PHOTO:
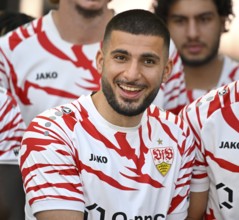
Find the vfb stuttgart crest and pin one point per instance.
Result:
(163, 158)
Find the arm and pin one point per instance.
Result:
(60, 215)
(197, 205)
(200, 181)
(179, 204)
(50, 173)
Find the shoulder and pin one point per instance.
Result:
(23, 33)
(230, 65)
(61, 118)
(168, 118)
(212, 103)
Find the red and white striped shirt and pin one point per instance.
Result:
(214, 120)
(229, 73)
(73, 159)
(11, 129)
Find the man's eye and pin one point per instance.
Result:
(179, 21)
(205, 19)
(120, 58)
(149, 61)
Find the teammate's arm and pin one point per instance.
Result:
(60, 215)
(197, 205)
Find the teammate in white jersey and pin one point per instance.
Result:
(113, 155)
(196, 27)
(51, 61)
(12, 197)
(214, 119)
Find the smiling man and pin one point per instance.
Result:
(112, 154)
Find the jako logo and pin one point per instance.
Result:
(47, 75)
(98, 159)
(229, 145)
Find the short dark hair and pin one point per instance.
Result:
(138, 21)
(224, 8)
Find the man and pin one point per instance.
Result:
(51, 61)
(111, 154)
(196, 27)
(12, 197)
(214, 120)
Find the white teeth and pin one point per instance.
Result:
(131, 89)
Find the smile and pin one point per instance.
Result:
(129, 88)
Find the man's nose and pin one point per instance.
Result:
(133, 71)
(192, 29)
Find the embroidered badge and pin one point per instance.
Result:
(163, 158)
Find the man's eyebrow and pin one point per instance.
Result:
(144, 55)
(119, 51)
(150, 55)
(207, 13)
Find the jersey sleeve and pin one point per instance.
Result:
(11, 129)
(179, 204)
(49, 165)
(192, 115)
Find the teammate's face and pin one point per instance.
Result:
(195, 27)
(132, 68)
(91, 8)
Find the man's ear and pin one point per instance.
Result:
(167, 70)
(99, 61)
(224, 24)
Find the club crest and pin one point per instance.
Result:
(163, 158)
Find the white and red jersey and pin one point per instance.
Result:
(71, 158)
(11, 129)
(214, 119)
(229, 73)
(173, 96)
(43, 71)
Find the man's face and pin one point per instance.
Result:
(90, 8)
(196, 28)
(132, 68)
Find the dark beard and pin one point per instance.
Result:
(88, 13)
(126, 110)
(197, 63)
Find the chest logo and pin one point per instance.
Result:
(163, 158)
(47, 75)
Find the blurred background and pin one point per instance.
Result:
(36, 8)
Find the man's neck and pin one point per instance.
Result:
(77, 29)
(107, 112)
(204, 77)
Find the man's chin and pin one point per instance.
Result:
(89, 12)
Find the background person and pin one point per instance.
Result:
(114, 142)
(12, 197)
(214, 121)
(196, 26)
(61, 66)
